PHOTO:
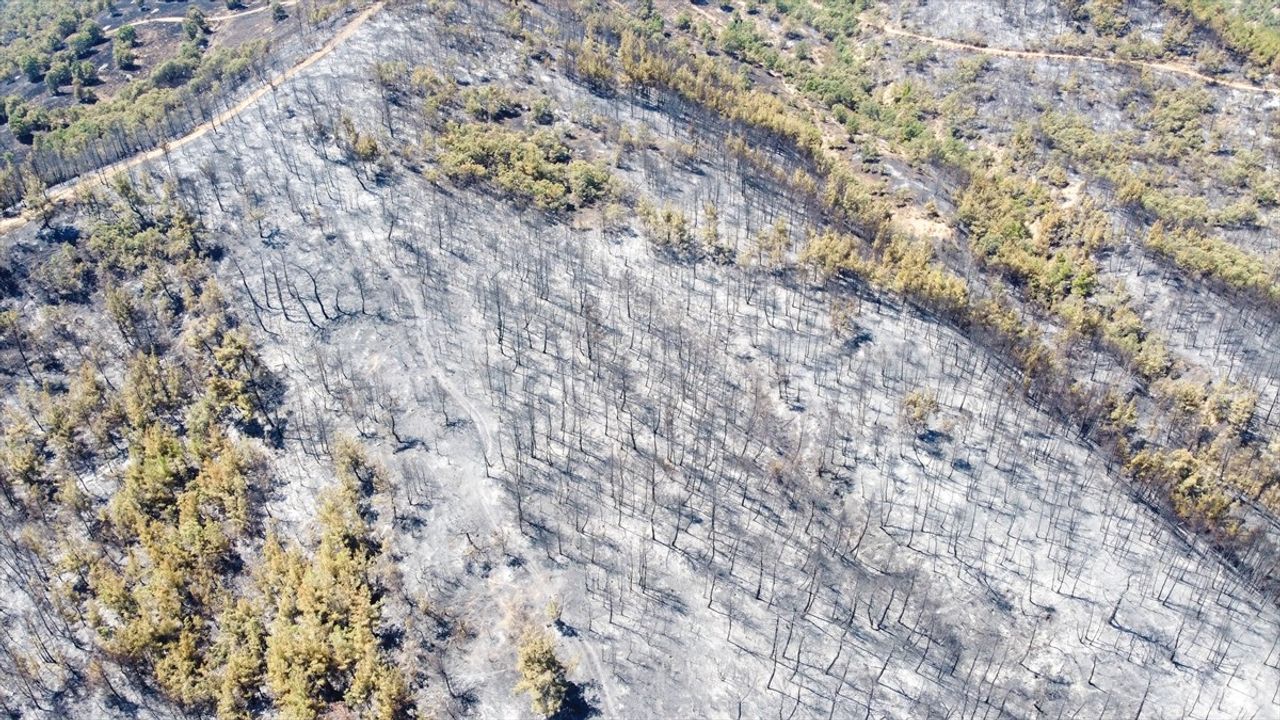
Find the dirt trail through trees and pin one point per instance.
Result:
(1044, 55)
(212, 19)
(69, 189)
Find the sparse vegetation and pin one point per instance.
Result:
(918, 408)
(541, 673)
(534, 166)
(1249, 27)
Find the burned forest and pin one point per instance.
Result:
(640, 359)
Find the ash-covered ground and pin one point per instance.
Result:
(706, 469)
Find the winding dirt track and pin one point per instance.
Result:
(1044, 55)
(212, 19)
(69, 189)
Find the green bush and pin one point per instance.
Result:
(490, 103)
(1177, 121)
(589, 61)
(172, 73)
(542, 675)
(193, 24)
(1211, 257)
(127, 35)
(535, 166)
(25, 120)
(84, 72)
(123, 56)
(324, 640)
(1256, 39)
(33, 67)
(59, 74)
(80, 44)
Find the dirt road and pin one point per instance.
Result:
(211, 19)
(67, 190)
(1168, 67)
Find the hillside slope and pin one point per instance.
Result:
(759, 388)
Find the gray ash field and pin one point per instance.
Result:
(621, 358)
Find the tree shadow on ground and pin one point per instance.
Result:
(575, 706)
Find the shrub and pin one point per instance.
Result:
(1107, 17)
(741, 39)
(33, 67)
(1177, 120)
(1215, 258)
(64, 25)
(589, 62)
(542, 675)
(193, 24)
(80, 44)
(587, 181)
(1241, 213)
(365, 148)
(127, 35)
(1258, 41)
(534, 166)
(666, 227)
(542, 112)
(84, 72)
(172, 73)
(491, 103)
(25, 121)
(918, 408)
(59, 74)
(123, 56)
(324, 640)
